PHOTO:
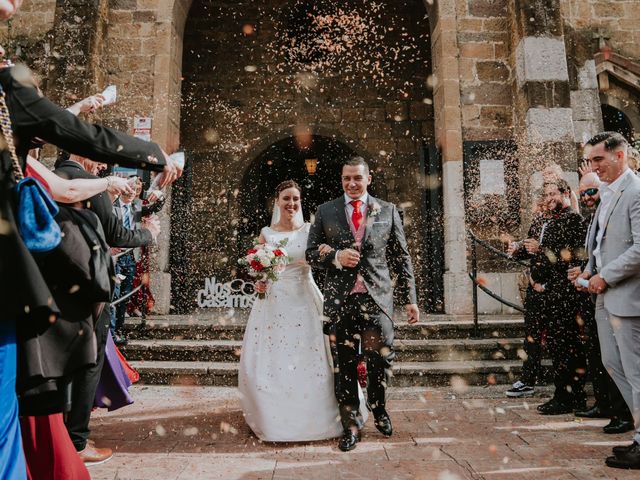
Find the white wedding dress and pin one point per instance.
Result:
(286, 378)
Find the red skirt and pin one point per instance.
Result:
(49, 452)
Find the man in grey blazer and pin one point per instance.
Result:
(613, 273)
(369, 246)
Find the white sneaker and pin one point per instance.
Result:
(520, 389)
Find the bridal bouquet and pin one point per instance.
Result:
(265, 262)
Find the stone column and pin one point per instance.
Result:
(448, 132)
(167, 72)
(543, 113)
(583, 80)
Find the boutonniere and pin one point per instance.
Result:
(376, 208)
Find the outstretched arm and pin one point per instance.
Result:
(78, 189)
(35, 116)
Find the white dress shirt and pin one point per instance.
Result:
(607, 192)
(349, 208)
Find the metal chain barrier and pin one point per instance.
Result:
(475, 241)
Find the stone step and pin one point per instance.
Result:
(405, 374)
(434, 327)
(407, 350)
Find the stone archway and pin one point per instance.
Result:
(630, 115)
(615, 120)
(284, 160)
(405, 186)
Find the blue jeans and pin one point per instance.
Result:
(12, 464)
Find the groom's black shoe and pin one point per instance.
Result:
(348, 440)
(618, 425)
(383, 424)
(629, 460)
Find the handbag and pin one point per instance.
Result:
(36, 209)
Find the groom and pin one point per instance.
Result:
(369, 243)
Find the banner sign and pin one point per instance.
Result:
(142, 128)
(234, 294)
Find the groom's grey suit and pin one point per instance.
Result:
(618, 308)
(362, 318)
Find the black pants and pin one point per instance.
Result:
(605, 391)
(358, 327)
(559, 313)
(83, 388)
(534, 327)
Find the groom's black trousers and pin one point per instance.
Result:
(358, 328)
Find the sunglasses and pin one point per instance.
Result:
(589, 192)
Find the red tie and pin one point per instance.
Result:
(356, 216)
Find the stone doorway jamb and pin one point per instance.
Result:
(448, 130)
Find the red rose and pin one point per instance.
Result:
(256, 265)
(278, 253)
(251, 251)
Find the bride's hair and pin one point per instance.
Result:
(287, 184)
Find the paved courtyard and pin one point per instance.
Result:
(190, 433)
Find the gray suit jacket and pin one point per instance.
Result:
(620, 250)
(383, 252)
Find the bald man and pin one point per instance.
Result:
(589, 189)
(609, 403)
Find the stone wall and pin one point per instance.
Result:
(34, 19)
(485, 71)
(616, 19)
(29, 35)
(129, 60)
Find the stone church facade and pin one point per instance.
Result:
(456, 103)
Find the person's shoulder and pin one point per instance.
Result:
(575, 215)
(634, 183)
(382, 203)
(331, 203)
(265, 230)
(70, 169)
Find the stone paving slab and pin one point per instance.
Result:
(193, 433)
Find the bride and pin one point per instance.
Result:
(286, 378)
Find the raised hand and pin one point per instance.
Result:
(325, 249)
(152, 224)
(119, 186)
(584, 168)
(532, 246)
(413, 313)
(573, 273)
(8, 8)
(87, 105)
(580, 288)
(171, 172)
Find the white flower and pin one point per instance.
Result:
(376, 208)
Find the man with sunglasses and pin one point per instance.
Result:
(609, 402)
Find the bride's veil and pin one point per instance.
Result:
(298, 219)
